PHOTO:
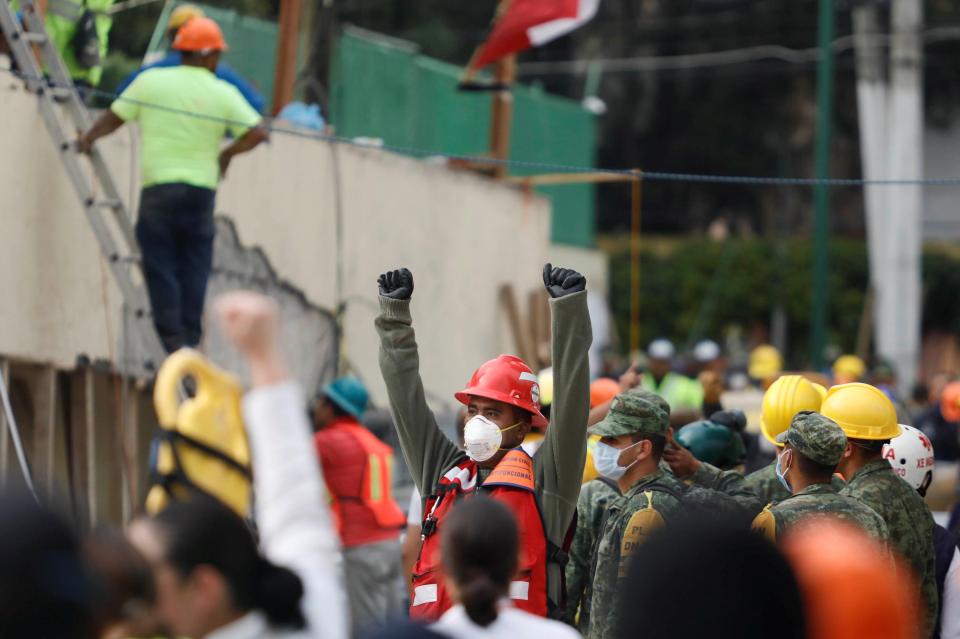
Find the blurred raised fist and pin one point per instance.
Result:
(397, 285)
(562, 281)
(249, 322)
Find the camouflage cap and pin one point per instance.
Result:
(650, 396)
(630, 413)
(816, 437)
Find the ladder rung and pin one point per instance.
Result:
(33, 36)
(105, 204)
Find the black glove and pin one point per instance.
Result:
(562, 281)
(397, 285)
(735, 420)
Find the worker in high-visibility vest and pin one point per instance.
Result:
(358, 469)
(80, 31)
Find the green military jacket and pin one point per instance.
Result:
(630, 519)
(594, 497)
(558, 462)
(765, 485)
(908, 519)
(818, 499)
(730, 483)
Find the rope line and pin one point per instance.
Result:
(656, 176)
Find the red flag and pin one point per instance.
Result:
(530, 23)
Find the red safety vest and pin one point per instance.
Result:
(511, 483)
(358, 469)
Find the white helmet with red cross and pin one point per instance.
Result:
(911, 455)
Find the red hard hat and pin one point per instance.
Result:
(199, 34)
(506, 379)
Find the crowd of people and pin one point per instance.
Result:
(572, 509)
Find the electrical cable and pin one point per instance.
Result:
(655, 176)
(759, 53)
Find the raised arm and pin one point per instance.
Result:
(559, 462)
(427, 450)
(295, 526)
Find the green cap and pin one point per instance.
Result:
(650, 396)
(630, 413)
(816, 437)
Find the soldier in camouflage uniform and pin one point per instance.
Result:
(591, 508)
(869, 420)
(813, 445)
(733, 499)
(595, 495)
(637, 427)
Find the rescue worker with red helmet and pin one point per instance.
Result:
(502, 406)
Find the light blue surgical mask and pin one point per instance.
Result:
(782, 474)
(606, 459)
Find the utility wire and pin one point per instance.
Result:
(653, 176)
(769, 52)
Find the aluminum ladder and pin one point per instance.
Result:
(64, 113)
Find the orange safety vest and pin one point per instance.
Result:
(371, 514)
(511, 482)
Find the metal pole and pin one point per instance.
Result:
(821, 193)
(636, 194)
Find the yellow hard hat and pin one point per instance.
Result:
(765, 362)
(862, 411)
(849, 366)
(785, 398)
(545, 382)
(180, 15)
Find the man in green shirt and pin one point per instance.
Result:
(184, 113)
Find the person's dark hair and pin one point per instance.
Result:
(335, 407)
(44, 587)
(811, 469)
(205, 532)
(658, 442)
(480, 548)
(122, 577)
(872, 446)
(704, 574)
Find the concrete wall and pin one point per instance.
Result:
(462, 236)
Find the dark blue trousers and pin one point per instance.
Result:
(175, 231)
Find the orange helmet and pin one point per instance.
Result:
(950, 402)
(848, 585)
(199, 34)
(506, 379)
(603, 390)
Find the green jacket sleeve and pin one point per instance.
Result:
(558, 464)
(730, 483)
(427, 451)
(559, 461)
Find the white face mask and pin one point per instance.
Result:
(482, 438)
(606, 459)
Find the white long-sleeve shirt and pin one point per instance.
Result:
(296, 529)
(511, 623)
(950, 604)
